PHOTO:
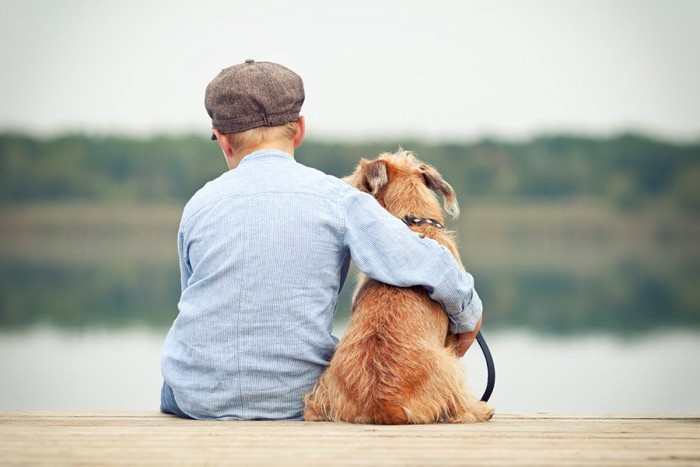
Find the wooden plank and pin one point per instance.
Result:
(110, 438)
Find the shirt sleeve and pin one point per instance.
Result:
(385, 249)
(185, 268)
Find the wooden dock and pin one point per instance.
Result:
(70, 438)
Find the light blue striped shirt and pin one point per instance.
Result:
(264, 251)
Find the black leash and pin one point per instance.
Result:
(489, 367)
(491, 381)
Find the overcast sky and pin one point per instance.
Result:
(438, 69)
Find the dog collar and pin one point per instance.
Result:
(412, 220)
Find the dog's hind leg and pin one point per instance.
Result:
(460, 405)
(465, 408)
(311, 411)
(328, 402)
(316, 404)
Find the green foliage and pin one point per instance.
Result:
(627, 171)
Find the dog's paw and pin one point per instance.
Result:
(474, 412)
(483, 412)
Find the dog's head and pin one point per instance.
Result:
(404, 185)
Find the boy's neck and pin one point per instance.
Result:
(279, 145)
(284, 146)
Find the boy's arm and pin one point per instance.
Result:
(385, 249)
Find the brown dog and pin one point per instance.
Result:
(396, 363)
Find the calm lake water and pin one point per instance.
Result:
(584, 312)
(46, 369)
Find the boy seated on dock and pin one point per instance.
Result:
(264, 250)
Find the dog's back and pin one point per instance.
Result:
(395, 363)
(379, 366)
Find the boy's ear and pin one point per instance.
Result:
(374, 176)
(223, 142)
(435, 182)
(301, 131)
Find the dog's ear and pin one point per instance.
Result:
(435, 182)
(374, 176)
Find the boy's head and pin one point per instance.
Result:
(253, 95)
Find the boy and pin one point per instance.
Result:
(264, 251)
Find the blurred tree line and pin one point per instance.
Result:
(627, 171)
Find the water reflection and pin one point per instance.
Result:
(622, 293)
(630, 296)
(88, 294)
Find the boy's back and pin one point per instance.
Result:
(263, 261)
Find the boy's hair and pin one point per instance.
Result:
(255, 136)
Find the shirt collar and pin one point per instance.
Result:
(265, 154)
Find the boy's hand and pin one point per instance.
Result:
(465, 340)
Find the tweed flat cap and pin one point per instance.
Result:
(253, 94)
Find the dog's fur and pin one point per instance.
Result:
(396, 363)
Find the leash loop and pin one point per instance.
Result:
(490, 367)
